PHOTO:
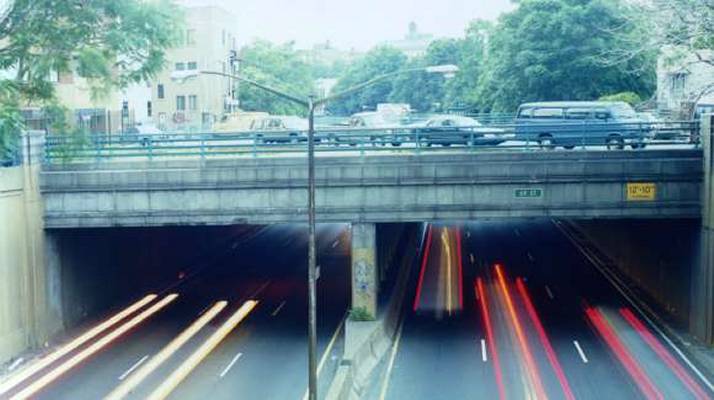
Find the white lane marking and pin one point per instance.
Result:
(133, 367)
(15, 364)
(517, 232)
(392, 357)
(335, 243)
(530, 256)
(260, 289)
(277, 310)
(484, 355)
(471, 258)
(327, 352)
(580, 351)
(550, 294)
(230, 365)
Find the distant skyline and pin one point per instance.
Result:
(352, 24)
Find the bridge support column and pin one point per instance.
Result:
(364, 270)
(702, 309)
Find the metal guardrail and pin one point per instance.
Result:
(360, 141)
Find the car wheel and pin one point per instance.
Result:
(569, 147)
(614, 142)
(546, 142)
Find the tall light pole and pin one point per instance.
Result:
(310, 103)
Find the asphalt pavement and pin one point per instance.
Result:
(264, 356)
(538, 321)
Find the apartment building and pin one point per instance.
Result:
(194, 104)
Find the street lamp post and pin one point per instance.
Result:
(311, 104)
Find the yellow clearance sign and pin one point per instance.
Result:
(641, 191)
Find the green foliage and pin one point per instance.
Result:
(422, 90)
(110, 43)
(360, 314)
(378, 61)
(279, 66)
(551, 50)
(628, 97)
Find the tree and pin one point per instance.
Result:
(110, 43)
(628, 97)
(549, 50)
(461, 91)
(422, 90)
(378, 61)
(279, 66)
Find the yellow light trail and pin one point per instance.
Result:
(137, 377)
(176, 377)
(93, 348)
(447, 249)
(32, 369)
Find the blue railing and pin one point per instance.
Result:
(360, 141)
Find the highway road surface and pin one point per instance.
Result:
(536, 321)
(237, 329)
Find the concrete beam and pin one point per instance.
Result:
(393, 188)
(365, 274)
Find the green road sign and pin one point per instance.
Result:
(530, 193)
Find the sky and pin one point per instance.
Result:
(347, 24)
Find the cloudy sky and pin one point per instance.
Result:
(358, 24)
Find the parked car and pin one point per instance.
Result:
(379, 128)
(237, 122)
(446, 130)
(280, 129)
(573, 123)
(144, 134)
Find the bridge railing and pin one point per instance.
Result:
(360, 141)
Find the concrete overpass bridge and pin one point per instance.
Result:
(453, 186)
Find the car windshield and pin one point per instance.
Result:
(296, 123)
(623, 110)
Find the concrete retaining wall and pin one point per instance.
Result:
(29, 313)
(655, 255)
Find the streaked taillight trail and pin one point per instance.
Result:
(668, 359)
(427, 246)
(490, 338)
(531, 366)
(48, 378)
(623, 355)
(550, 353)
(44, 362)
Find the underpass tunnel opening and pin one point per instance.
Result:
(542, 296)
(95, 271)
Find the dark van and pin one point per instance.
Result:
(581, 123)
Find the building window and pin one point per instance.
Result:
(160, 93)
(148, 108)
(678, 82)
(180, 66)
(190, 37)
(180, 103)
(192, 102)
(192, 65)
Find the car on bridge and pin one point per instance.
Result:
(371, 127)
(582, 123)
(279, 129)
(446, 130)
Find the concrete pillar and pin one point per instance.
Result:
(702, 317)
(364, 270)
